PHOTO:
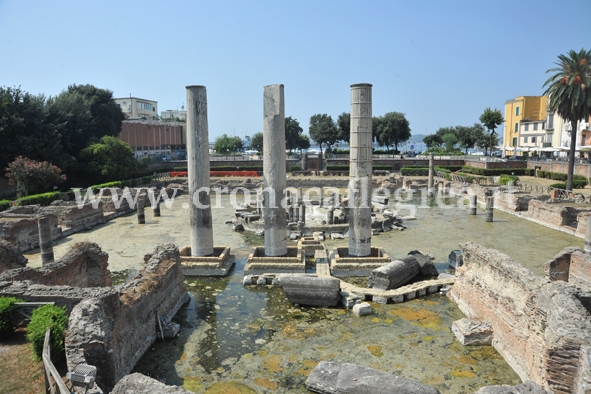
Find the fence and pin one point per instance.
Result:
(53, 381)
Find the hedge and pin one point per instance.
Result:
(558, 176)
(42, 199)
(295, 168)
(226, 168)
(5, 204)
(345, 167)
(577, 184)
(96, 188)
(7, 324)
(497, 171)
(414, 171)
(44, 317)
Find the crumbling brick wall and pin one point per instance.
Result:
(74, 218)
(21, 229)
(10, 257)
(114, 331)
(571, 265)
(84, 265)
(540, 327)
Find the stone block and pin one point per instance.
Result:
(410, 296)
(363, 309)
(350, 300)
(455, 258)
(344, 378)
(247, 280)
(261, 281)
(394, 274)
(170, 329)
(472, 332)
(310, 290)
(397, 299)
(379, 299)
(528, 387)
(432, 289)
(140, 384)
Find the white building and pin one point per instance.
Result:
(134, 107)
(173, 115)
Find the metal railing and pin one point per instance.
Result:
(53, 381)
(538, 189)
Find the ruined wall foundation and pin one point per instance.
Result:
(540, 327)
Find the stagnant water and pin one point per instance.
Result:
(251, 339)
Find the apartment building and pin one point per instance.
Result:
(134, 107)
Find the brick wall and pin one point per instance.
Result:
(540, 327)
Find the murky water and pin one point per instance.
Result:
(252, 339)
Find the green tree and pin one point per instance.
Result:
(391, 129)
(293, 131)
(469, 135)
(226, 144)
(484, 142)
(450, 140)
(569, 91)
(24, 130)
(344, 126)
(303, 142)
(433, 141)
(33, 177)
(491, 119)
(323, 130)
(109, 159)
(256, 142)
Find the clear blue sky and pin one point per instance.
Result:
(440, 62)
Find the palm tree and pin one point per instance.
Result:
(569, 91)
(491, 119)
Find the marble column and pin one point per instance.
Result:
(274, 170)
(198, 167)
(45, 240)
(360, 170)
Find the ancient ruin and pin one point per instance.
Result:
(202, 257)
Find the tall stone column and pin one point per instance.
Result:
(490, 203)
(360, 171)
(431, 174)
(274, 170)
(198, 168)
(45, 241)
(473, 204)
(588, 236)
(141, 213)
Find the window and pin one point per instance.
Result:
(550, 121)
(526, 127)
(516, 128)
(535, 126)
(533, 140)
(516, 111)
(525, 140)
(514, 141)
(145, 106)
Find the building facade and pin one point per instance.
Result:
(134, 107)
(173, 115)
(529, 109)
(161, 141)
